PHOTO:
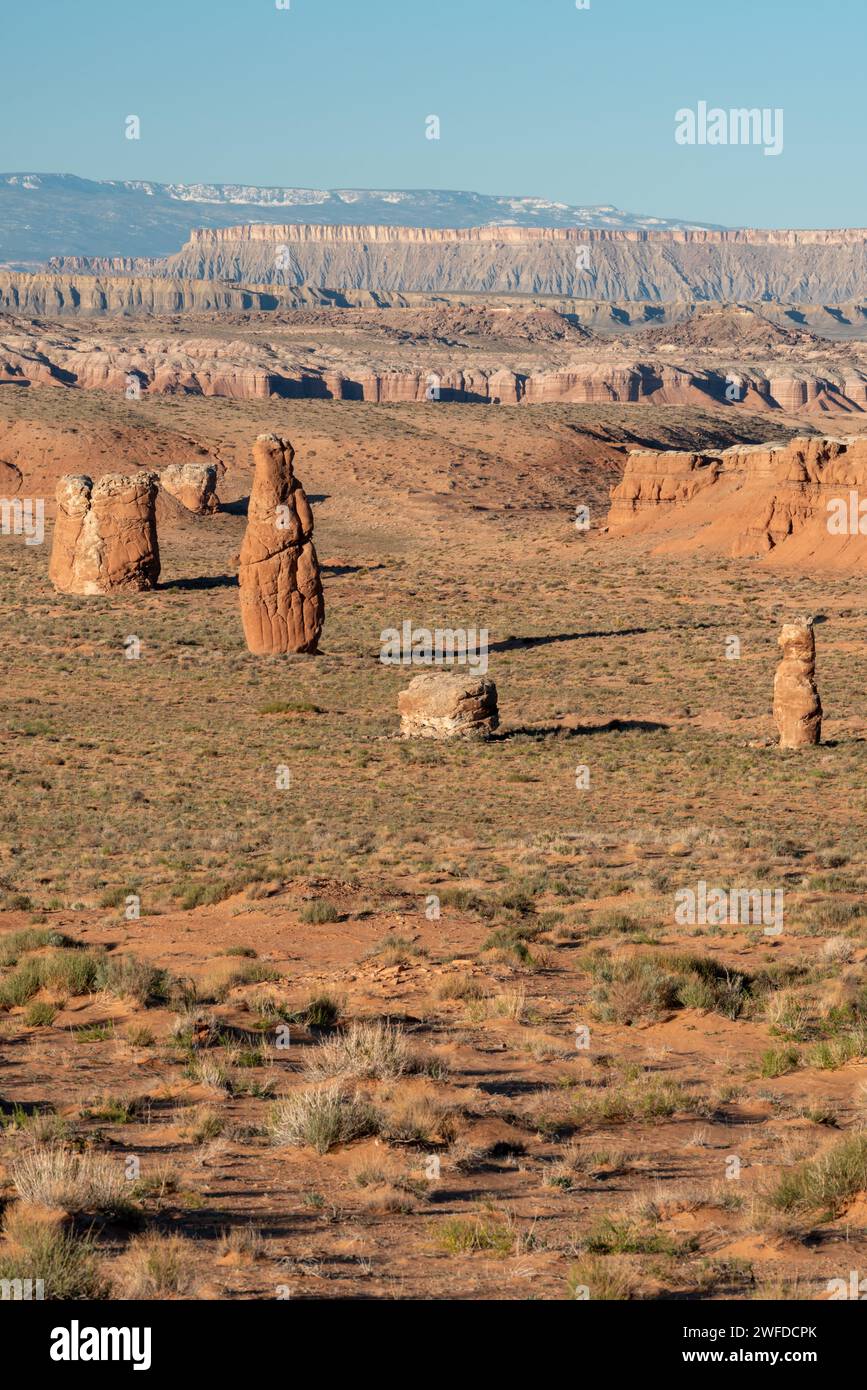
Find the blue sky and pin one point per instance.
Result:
(534, 97)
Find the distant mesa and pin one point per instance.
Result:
(620, 264)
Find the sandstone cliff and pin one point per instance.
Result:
(785, 505)
(791, 266)
(243, 369)
(488, 351)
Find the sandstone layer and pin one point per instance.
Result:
(538, 368)
(282, 606)
(797, 707)
(795, 266)
(105, 536)
(440, 704)
(798, 504)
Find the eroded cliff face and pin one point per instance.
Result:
(796, 504)
(791, 266)
(249, 369)
(85, 293)
(784, 266)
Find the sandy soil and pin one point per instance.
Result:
(707, 1143)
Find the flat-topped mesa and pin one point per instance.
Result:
(491, 232)
(639, 264)
(105, 535)
(282, 607)
(797, 707)
(194, 485)
(779, 503)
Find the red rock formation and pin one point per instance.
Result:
(797, 707)
(246, 370)
(656, 480)
(105, 537)
(282, 607)
(770, 502)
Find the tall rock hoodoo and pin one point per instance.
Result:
(797, 707)
(282, 606)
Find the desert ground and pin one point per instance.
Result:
(287, 1076)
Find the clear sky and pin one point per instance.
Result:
(535, 97)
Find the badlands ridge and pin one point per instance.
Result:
(483, 353)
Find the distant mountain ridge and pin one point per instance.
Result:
(427, 241)
(46, 215)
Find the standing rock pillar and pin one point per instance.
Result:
(282, 607)
(797, 707)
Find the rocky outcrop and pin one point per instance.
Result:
(194, 485)
(797, 707)
(440, 704)
(105, 536)
(658, 480)
(796, 504)
(282, 606)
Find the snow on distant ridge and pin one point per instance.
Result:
(471, 208)
(48, 215)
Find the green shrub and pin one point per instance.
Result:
(130, 978)
(461, 1235)
(21, 985)
(18, 943)
(778, 1061)
(633, 989)
(320, 1011)
(40, 1015)
(825, 1183)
